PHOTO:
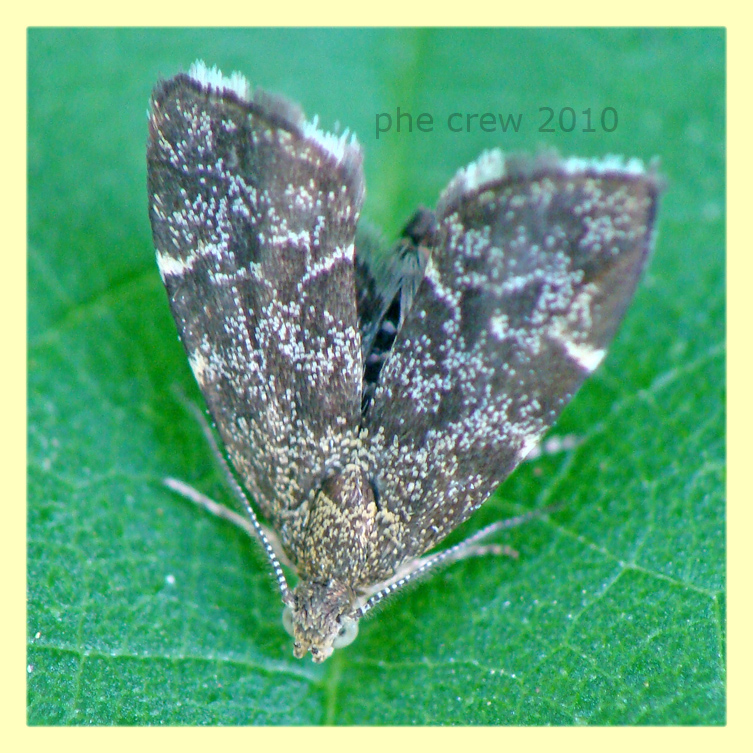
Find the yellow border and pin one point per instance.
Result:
(17, 736)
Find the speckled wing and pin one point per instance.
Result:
(533, 267)
(253, 213)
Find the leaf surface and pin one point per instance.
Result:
(144, 610)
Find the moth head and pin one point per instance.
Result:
(321, 617)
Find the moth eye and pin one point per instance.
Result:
(347, 634)
(287, 620)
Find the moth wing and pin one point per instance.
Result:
(534, 265)
(254, 213)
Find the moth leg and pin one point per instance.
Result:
(554, 446)
(497, 550)
(195, 496)
(471, 547)
(221, 511)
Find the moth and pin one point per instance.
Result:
(370, 406)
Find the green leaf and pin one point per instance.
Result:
(144, 610)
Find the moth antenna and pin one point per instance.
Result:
(467, 548)
(236, 488)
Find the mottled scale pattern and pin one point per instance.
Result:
(254, 215)
(534, 265)
(370, 405)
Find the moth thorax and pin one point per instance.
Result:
(340, 530)
(321, 618)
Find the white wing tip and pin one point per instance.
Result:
(489, 166)
(212, 78)
(332, 143)
(608, 164)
